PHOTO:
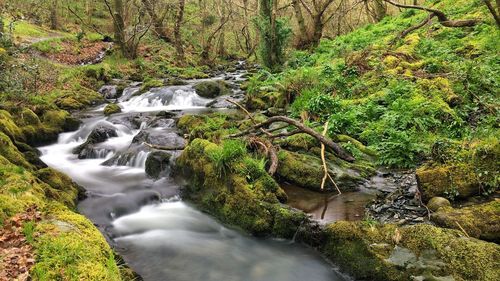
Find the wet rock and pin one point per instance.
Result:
(480, 221)
(221, 102)
(112, 108)
(211, 89)
(97, 135)
(160, 138)
(157, 163)
(110, 92)
(437, 202)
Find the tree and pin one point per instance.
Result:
(157, 19)
(380, 10)
(274, 34)
(177, 32)
(54, 18)
(127, 36)
(494, 13)
(318, 18)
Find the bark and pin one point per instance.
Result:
(380, 10)
(54, 18)
(443, 19)
(177, 32)
(300, 22)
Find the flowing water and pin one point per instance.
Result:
(160, 236)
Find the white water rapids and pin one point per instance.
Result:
(159, 236)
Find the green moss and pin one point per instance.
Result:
(9, 127)
(11, 153)
(112, 108)
(151, 83)
(480, 221)
(60, 187)
(71, 248)
(369, 251)
(246, 196)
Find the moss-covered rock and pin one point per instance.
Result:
(262, 100)
(386, 252)
(212, 89)
(453, 181)
(61, 188)
(69, 247)
(306, 170)
(112, 108)
(480, 221)
(9, 127)
(438, 202)
(243, 195)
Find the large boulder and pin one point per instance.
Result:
(212, 89)
(480, 221)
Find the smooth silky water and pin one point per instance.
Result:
(160, 236)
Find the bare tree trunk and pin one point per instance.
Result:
(380, 10)
(177, 32)
(158, 26)
(494, 13)
(301, 23)
(54, 18)
(317, 30)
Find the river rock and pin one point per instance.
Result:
(109, 91)
(112, 108)
(437, 202)
(157, 163)
(97, 135)
(162, 138)
(211, 89)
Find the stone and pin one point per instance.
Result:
(157, 163)
(211, 89)
(112, 108)
(437, 202)
(109, 91)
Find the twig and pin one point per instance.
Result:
(461, 228)
(325, 168)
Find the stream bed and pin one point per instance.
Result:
(160, 236)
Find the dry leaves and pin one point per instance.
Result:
(16, 254)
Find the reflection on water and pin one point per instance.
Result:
(328, 207)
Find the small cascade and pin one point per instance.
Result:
(128, 93)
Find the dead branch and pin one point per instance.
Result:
(160, 147)
(337, 149)
(270, 152)
(249, 116)
(413, 28)
(443, 19)
(325, 168)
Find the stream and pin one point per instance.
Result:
(160, 236)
